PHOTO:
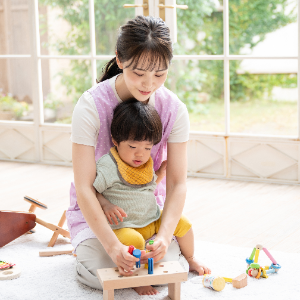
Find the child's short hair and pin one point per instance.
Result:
(134, 120)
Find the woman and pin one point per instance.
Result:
(139, 70)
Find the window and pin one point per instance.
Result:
(235, 66)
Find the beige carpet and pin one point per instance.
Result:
(54, 278)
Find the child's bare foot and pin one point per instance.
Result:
(197, 266)
(146, 290)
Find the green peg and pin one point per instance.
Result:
(252, 254)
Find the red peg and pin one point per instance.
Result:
(130, 249)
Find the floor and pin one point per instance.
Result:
(237, 213)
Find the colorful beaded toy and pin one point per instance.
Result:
(5, 265)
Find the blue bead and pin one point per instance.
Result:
(249, 261)
(276, 267)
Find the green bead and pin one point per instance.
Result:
(151, 242)
(255, 266)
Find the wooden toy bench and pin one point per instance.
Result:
(170, 273)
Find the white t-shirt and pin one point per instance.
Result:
(86, 122)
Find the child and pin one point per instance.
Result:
(126, 179)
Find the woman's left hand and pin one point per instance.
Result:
(158, 250)
(161, 172)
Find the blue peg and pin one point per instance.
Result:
(137, 253)
(150, 265)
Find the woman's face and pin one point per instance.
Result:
(140, 82)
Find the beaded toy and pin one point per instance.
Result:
(5, 265)
(253, 267)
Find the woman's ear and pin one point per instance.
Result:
(120, 65)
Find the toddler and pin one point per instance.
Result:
(126, 179)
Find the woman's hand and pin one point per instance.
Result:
(161, 172)
(123, 259)
(158, 250)
(112, 211)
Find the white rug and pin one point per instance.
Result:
(54, 278)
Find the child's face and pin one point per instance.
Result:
(134, 153)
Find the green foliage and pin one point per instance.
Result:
(109, 16)
(9, 104)
(249, 22)
(52, 101)
(200, 31)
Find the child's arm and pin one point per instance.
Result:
(110, 210)
(161, 172)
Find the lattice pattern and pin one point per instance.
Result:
(17, 144)
(206, 156)
(264, 160)
(57, 147)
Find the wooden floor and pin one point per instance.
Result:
(227, 212)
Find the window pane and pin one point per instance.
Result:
(108, 19)
(64, 28)
(263, 27)
(15, 35)
(264, 96)
(16, 90)
(199, 28)
(199, 84)
(64, 81)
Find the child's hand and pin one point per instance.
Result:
(161, 172)
(112, 212)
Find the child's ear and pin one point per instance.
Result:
(114, 142)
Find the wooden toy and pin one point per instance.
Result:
(249, 260)
(13, 224)
(11, 273)
(55, 252)
(240, 281)
(253, 267)
(147, 251)
(137, 253)
(5, 265)
(130, 249)
(170, 273)
(150, 265)
(270, 256)
(55, 234)
(215, 283)
(34, 204)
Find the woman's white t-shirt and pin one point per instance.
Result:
(86, 122)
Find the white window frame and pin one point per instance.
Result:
(40, 126)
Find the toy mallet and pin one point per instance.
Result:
(238, 282)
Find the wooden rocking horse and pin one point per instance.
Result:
(13, 224)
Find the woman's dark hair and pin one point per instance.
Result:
(136, 121)
(138, 38)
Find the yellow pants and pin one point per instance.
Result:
(137, 236)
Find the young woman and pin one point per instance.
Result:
(139, 70)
